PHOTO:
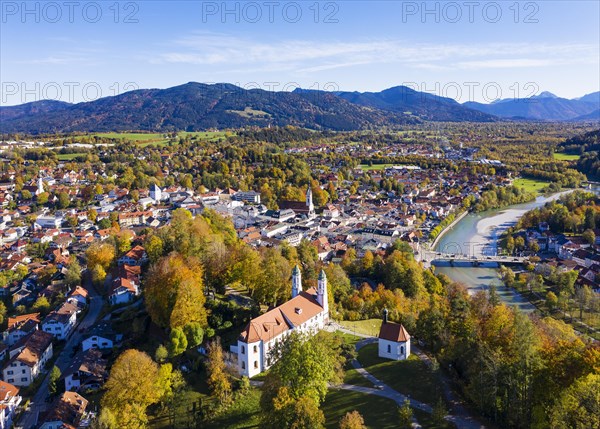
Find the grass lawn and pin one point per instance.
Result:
(206, 135)
(137, 137)
(364, 327)
(243, 414)
(378, 412)
(146, 139)
(426, 421)
(375, 166)
(410, 377)
(530, 185)
(250, 113)
(353, 377)
(68, 156)
(566, 157)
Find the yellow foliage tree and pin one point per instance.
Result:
(131, 388)
(174, 292)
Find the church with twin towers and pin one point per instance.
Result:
(307, 311)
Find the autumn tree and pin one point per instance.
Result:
(194, 333)
(218, 379)
(122, 240)
(53, 380)
(128, 396)
(177, 342)
(41, 304)
(63, 200)
(577, 407)
(352, 420)
(247, 269)
(161, 354)
(274, 283)
(303, 367)
(154, 248)
(73, 274)
(405, 415)
(100, 254)
(2, 312)
(291, 413)
(98, 274)
(174, 292)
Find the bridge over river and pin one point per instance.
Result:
(429, 257)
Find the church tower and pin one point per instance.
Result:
(309, 203)
(40, 186)
(322, 297)
(296, 282)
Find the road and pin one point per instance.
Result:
(38, 405)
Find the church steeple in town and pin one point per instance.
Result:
(322, 297)
(296, 282)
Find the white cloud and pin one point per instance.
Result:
(304, 56)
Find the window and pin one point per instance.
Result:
(11, 380)
(401, 350)
(9, 372)
(23, 371)
(24, 379)
(243, 350)
(389, 349)
(255, 349)
(243, 365)
(255, 364)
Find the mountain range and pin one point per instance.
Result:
(543, 107)
(196, 106)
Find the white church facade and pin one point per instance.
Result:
(307, 312)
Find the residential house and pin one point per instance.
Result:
(86, 371)
(136, 256)
(9, 401)
(19, 327)
(61, 322)
(27, 358)
(123, 290)
(66, 413)
(78, 297)
(101, 337)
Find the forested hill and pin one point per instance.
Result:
(196, 106)
(588, 146)
(582, 143)
(427, 106)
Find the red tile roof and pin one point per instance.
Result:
(292, 313)
(393, 332)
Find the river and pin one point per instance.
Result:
(477, 234)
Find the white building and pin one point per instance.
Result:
(19, 327)
(249, 197)
(307, 311)
(86, 371)
(9, 401)
(155, 193)
(61, 322)
(101, 337)
(49, 221)
(28, 358)
(394, 341)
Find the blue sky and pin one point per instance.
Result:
(474, 50)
